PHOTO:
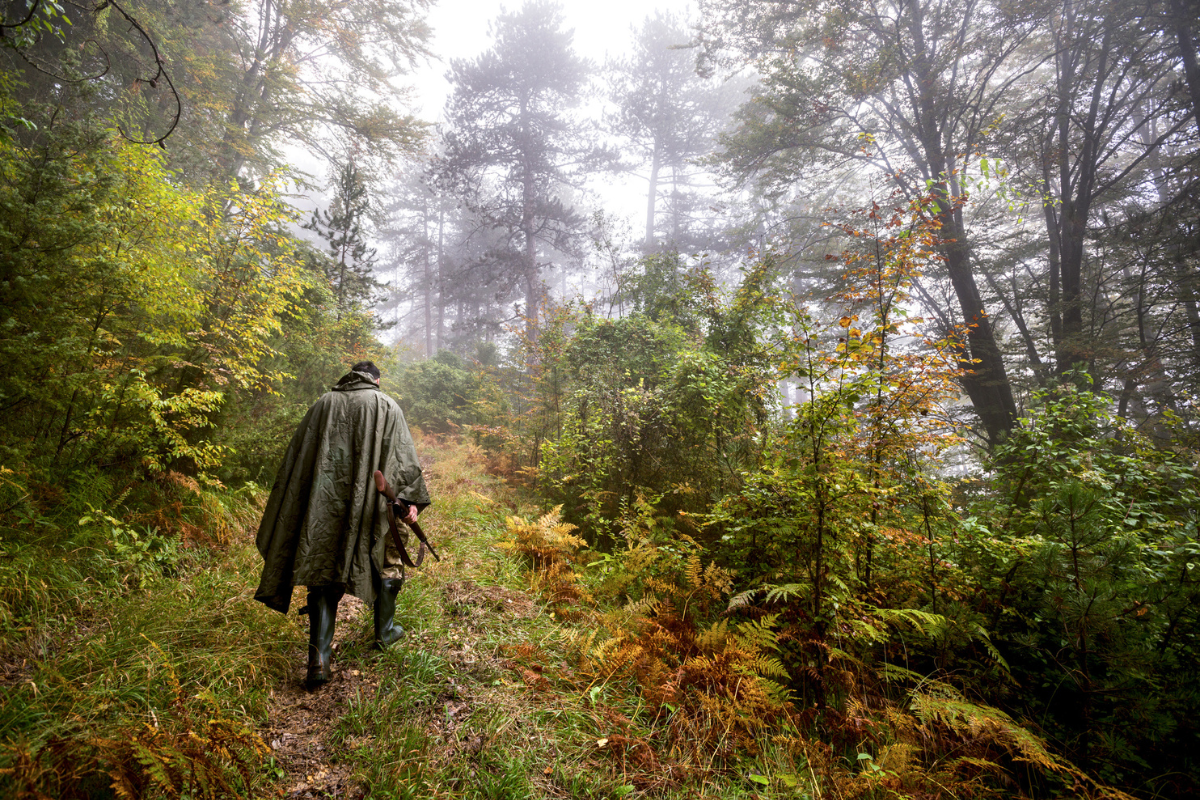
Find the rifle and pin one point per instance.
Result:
(381, 485)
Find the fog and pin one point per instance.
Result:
(460, 30)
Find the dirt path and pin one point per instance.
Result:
(300, 721)
(461, 604)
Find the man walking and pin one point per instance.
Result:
(325, 526)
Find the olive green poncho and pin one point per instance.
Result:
(325, 523)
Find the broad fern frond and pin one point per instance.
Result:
(786, 592)
(741, 600)
(759, 635)
(715, 637)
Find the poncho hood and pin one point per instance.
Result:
(354, 381)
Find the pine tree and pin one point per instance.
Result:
(514, 149)
(670, 117)
(350, 268)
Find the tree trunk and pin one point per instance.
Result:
(1183, 20)
(427, 279)
(531, 278)
(1076, 204)
(652, 198)
(441, 280)
(984, 378)
(253, 94)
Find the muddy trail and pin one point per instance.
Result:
(300, 721)
(302, 726)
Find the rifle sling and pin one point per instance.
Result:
(394, 531)
(393, 502)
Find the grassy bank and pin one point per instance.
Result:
(134, 661)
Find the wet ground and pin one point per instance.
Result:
(301, 720)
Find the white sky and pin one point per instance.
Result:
(460, 30)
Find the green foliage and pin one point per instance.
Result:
(671, 400)
(150, 328)
(40, 18)
(659, 289)
(132, 308)
(1087, 552)
(237, 100)
(313, 347)
(145, 553)
(143, 666)
(831, 522)
(443, 393)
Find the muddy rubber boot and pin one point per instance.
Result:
(386, 629)
(322, 613)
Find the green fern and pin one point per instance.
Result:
(786, 592)
(758, 635)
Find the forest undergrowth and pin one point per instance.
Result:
(138, 665)
(890, 490)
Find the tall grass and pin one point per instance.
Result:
(137, 663)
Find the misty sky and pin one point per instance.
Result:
(460, 30)
(602, 28)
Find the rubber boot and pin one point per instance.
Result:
(322, 613)
(386, 629)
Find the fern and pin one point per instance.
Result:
(693, 572)
(157, 764)
(196, 752)
(715, 637)
(785, 592)
(892, 673)
(937, 703)
(552, 547)
(759, 634)
(933, 626)
(741, 600)
(766, 666)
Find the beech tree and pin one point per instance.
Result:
(321, 73)
(241, 77)
(906, 88)
(1109, 66)
(1100, 143)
